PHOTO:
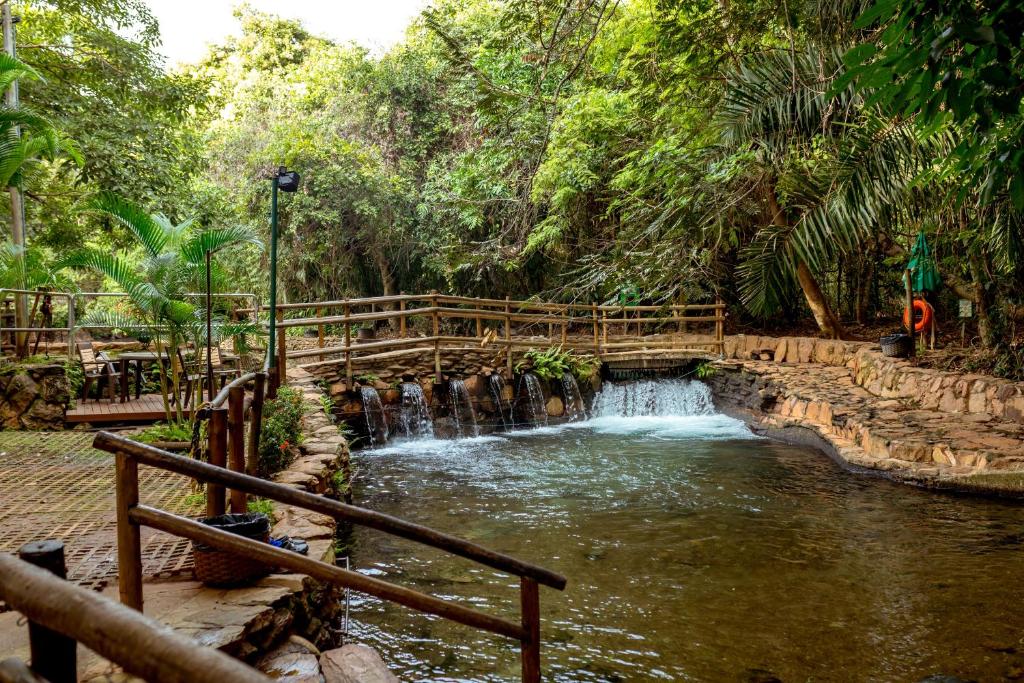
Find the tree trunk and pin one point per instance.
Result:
(816, 301)
(827, 321)
(982, 303)
(866, 275)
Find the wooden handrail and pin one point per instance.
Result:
(225, 391)
(148, 455)
(131, 516)
(138, 644)
(286, 559)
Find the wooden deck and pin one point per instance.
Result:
(146, 408)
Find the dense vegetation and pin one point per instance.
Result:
(784, 155)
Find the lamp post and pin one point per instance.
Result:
(285, 181)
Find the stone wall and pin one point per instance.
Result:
(33, 396)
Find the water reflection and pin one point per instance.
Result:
(694, 552)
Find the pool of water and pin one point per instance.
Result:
(695, 552)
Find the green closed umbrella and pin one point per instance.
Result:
(923, 273)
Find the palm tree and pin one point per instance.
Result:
(171, 262)
(781, 108)
(26, 138)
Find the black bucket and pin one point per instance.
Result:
(897, 345)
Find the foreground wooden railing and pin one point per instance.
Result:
(131, 516)
(61, 615)
(579, 326)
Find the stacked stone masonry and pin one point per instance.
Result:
(921, 425)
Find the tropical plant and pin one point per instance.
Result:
(170, 262)
(281, 431)
(553, 362)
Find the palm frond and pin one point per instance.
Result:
(147, 229)
(214, 239)
(109, 265)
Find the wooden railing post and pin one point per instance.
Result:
(604, 328)
(437, 332)
(720, 325)
(282, 351)
(53, 655)
(129, 544)
(348, 346)
(218, 456)
(597, 342)
(529, 596)
(508, 335)
(236, 444)
(320, 332)
(255, 424)
(401, 320)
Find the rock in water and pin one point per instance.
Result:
(355, 664)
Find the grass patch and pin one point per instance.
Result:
(166, 432)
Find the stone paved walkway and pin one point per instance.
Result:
(55, 485)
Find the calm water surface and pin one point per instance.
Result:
(694, 553)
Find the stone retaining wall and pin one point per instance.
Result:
(922, 425)
(33, 396)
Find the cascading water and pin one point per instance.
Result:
(673, 397)
(537, 410)
(574, 409)
(463, 416)
(414, 415)
(496, 387)
(373, 409)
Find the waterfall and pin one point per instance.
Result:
(414, 415)
(463, 416)
(376, 423)
(538, 411)
(655, 398)
(574, 409)
(496, 387)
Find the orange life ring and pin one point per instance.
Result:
(922, 308)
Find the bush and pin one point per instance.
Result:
(281, 431)
(554, 362)
(166, 432)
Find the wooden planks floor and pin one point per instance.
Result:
(146, 408)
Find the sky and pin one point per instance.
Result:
(188, 26)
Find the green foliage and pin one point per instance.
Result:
(704, 370)
(176, 431)
(552, 363)
(281, 431)
(263, 506)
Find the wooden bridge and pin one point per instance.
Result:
(620, 336)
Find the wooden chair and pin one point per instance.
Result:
(196, 373)
(96, 368)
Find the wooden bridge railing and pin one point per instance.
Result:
(61, 614)
(131, 516)
(580, 326)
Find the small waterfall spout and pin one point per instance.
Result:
(463, 416)
(536, 410)
(662, 398)
(373, 409)
(574, 409)
(414, 415)
(496, 387)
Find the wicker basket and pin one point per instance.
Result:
(217, 567)
(897, 345)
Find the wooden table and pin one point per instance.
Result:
(139, 358)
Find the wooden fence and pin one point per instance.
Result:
(131, 516)
(514, 324)
(61, 615)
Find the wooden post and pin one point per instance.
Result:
(529, 596)
(255, 424)
(218, 457)
(720, 325)
(401, 320)
(604, 328)
(479, 325)
(597, 339)
(437, 331)
(508, 335)
(908, 289)
(320, 332)
(348, 347)
(565, 334)
(236, 444)
(282, 351)
(129, 544)
(53, 655)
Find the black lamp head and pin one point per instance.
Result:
(287, 181)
